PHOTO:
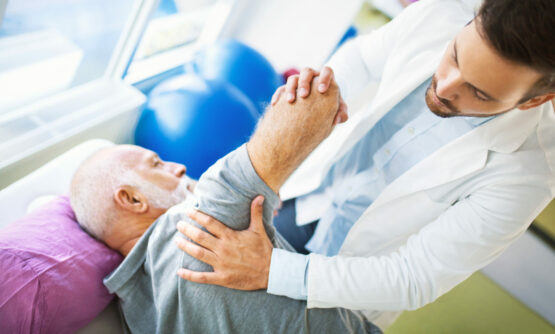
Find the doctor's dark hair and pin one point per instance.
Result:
(523, 31)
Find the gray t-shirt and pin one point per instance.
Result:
(153, 299)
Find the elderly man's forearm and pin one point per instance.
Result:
(287, 134)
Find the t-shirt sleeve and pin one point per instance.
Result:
(225, 191)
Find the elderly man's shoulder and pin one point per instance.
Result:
(165, 226)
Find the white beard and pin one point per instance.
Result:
(164, 199)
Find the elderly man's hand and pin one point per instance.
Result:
(240, 259)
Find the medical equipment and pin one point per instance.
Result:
(195, 121)
(242, 66)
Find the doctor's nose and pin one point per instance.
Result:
(448, 87)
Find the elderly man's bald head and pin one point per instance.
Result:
(93, 185)
(125, 182)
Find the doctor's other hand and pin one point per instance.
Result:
(300, 85)
(240, 259)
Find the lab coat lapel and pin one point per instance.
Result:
(310, 175)
(391, 93)
(504, 134)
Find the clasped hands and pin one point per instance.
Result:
(241, 259)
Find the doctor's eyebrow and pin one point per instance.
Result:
(455, 57)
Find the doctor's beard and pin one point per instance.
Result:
(437, 105)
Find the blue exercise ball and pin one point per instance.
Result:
(195, 121)
(242, 66)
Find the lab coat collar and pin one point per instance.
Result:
(467, 154)
(387, 98)
(505, 133)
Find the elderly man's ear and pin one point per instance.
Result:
(130, 199)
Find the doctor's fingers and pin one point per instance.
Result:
(325, 79)
(199, 277)
(199, 236)
(212, 225)
(305, 80)
(196, 251)
(342, 115)
(291, 88)
(277, 94)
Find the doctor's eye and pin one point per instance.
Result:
(480, 96)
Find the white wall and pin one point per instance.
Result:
(292, 33)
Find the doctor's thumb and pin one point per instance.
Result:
(256, 213)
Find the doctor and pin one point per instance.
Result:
(411, 199)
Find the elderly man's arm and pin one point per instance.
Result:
(284, 137)
(287, 134)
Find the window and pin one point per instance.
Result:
(61, 63)
(66, 68)
(49, 46)
(176, 31)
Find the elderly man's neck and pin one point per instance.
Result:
(126, 247)
(127, 232)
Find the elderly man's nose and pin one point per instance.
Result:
(180, 170)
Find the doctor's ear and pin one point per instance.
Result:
(130, 199)
(536, 101)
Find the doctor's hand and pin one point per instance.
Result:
(240, 259)
(301, 84)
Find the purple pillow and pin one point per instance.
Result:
(51, 272)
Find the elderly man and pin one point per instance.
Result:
(121, 196)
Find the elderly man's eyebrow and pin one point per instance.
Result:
(150, 156)
(456, 58)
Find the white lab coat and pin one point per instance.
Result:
(449, 215)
